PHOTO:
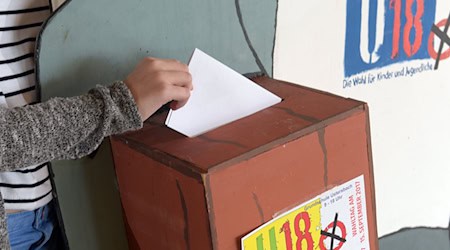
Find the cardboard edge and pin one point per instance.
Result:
(177, 164)
(265, 78)
(372, 176)
(210, 210)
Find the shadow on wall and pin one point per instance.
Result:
(420, 238)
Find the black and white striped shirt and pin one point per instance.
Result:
(20, 23)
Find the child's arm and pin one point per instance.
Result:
(68, 128)
(64, 128)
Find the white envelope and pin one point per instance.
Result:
(220, 96)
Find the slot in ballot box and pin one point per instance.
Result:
(209, 191)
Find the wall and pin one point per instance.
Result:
(316, 45)
(349, 49)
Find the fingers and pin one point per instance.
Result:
(174, 105)
(177, 78)
(179, 87)
(155, 82)
(180, 96)
(156, 64)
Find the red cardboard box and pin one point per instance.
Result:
(209, 191)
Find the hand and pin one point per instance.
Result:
(155, 82)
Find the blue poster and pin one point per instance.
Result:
(381, 33)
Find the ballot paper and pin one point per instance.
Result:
(220, 96)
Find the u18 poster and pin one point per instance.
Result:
(394, 55)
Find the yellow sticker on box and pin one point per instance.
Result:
(334, 220)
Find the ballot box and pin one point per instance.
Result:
(210, 191)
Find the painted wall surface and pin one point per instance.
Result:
(385, 53)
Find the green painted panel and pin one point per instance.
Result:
(91, 42)
(90, 202)
(420, 238)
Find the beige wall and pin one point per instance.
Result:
(410, 116)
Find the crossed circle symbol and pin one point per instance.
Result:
(442, 35)
(333, 236)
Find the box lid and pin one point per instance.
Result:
(302, 111)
